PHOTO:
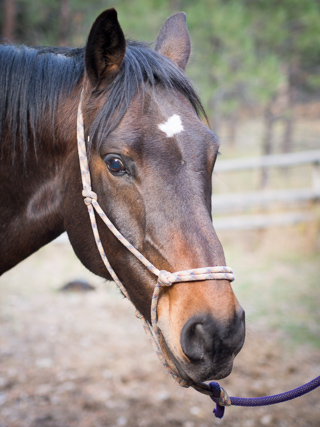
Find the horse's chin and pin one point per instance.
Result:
(196, 372)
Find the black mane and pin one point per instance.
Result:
(32, 80)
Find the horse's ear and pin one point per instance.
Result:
(105, 49)
(174, 40)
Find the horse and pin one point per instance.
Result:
(151, 158)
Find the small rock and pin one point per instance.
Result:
(122, 421)
(77, 286)
(3, 398)
(67, 386)
(194, 410)
(162, 396)
(44, 389)
(44, 363)
(266, 419)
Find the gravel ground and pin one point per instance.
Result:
(82, 359)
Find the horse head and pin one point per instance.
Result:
(151, 159)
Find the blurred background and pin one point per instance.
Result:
(250, 57)
(81, 358)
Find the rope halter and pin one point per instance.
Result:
(165, 278)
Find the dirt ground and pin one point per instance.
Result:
(82, 359)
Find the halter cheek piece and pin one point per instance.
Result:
(165, 278)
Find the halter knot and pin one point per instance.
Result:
(166, 278)
(138, 314)
(89, 195)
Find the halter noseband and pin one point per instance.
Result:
(165, 278)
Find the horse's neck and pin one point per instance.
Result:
(31, 200)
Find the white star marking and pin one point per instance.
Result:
(172, 126)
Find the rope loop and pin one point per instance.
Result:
(138, 315)
(166, 278)
(89, 196)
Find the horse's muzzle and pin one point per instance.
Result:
(210, 345)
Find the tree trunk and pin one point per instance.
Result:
(175, 5)
(9, 20)
(64, 22)
(267, 142)
(233, 124)
(288, 117)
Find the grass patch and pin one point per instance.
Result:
(278, 284)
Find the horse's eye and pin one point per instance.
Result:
(115, 164)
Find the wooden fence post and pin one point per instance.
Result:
(316, 177)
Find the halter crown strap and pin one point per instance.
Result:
(165, 278)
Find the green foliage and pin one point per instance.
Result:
(235, 71)
(252, 46)
(243, 50)
(278, 282)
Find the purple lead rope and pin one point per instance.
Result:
(218, 392)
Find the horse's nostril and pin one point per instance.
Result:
(197, 338)
(210, 345)
(204, 338)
